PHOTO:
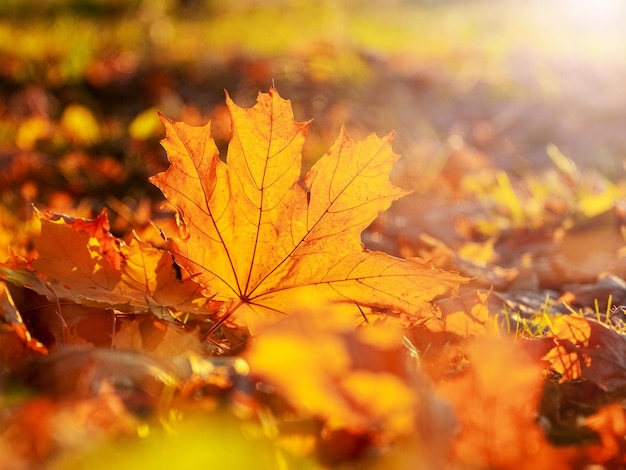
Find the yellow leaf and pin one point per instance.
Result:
(32, 130)
(145, 125)
(467, 315)
(80, 125)
(479, 253)
(259, 238)
(327, 369)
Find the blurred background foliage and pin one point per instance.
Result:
(510, 117)
(81, 82)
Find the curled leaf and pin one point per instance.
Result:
(79, 260)
(16, 342)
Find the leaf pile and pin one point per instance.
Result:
(262, 307)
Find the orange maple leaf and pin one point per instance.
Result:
(79, 260)
(258, 237)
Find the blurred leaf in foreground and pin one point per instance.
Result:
(215, 441)
(496, 396)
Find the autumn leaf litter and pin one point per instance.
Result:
(265, 304)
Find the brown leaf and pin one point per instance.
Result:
(16, 342)
(608, 290)
(98, 228)
(57, 323)
(586, 349)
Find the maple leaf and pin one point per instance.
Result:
(79, 260)
(258, 237)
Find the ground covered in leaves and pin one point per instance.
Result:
(264, 291)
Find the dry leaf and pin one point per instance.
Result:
(16, 342)
(467, 315)
(161, 339)
(40, 429)
(257, 237)
(359, 382)
(496, 398)
(610, 424)
(79, 260)
(586, 349)
(607, 291)
(313, 363)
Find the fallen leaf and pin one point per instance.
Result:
(479, 253)
(162, 339)
(468, 315)
(33, 130)
(607, 291)
(63, 322)
(496, 397)
(145, 125)
(481, 272)
(258, 238)
(586, 349)
(16, 342)
(610, 424)
(79, 260)
(358, 382)
(33, 433)
(143, 382)
(80, 125)
(108, 246)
